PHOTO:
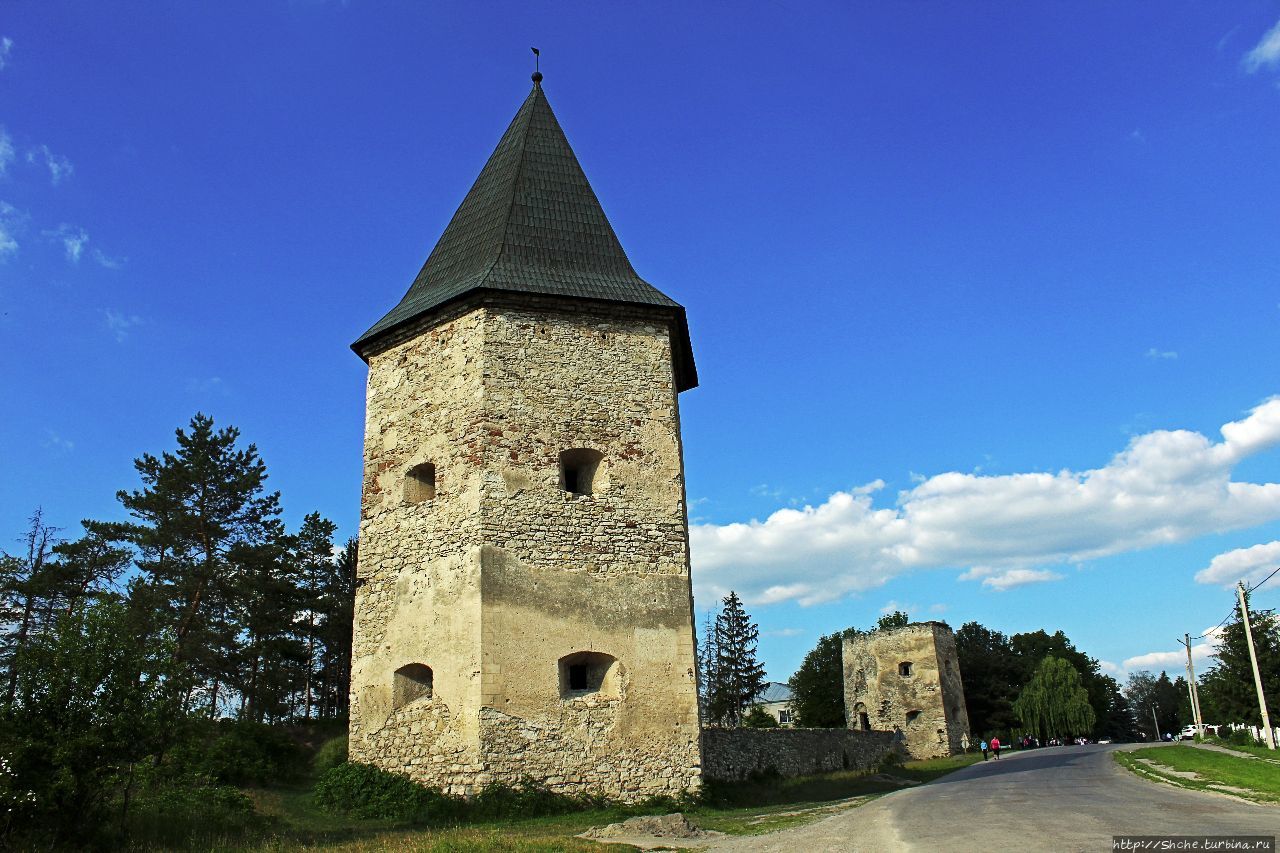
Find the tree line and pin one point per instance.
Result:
(200, 606)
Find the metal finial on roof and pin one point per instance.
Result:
(537, 74)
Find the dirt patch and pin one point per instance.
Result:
(653, 832)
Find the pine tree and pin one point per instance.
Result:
(337, 608)
(313, 551)
(26, 583)
(739, 676)
(201, 517)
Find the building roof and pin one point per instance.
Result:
(773, 691)
(532, 224)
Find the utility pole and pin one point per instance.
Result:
(1193, 690)
(1268, 735)
(1156, 722)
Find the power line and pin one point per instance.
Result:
(1264, 580)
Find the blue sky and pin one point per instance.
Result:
(973, 288)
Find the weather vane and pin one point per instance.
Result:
(537, 59)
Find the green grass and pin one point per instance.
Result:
(1253, 749)
(288, 818)
(1255, 780)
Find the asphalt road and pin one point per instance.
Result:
(1054, 799)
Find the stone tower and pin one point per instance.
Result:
(524, 605)
(908, 679)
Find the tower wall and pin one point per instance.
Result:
(506, 574)
(927, 705)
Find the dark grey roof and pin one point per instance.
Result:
(532, 224)
(773, 691)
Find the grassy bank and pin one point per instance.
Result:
(1206, 770)
(290, 818)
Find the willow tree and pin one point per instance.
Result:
(1054, 703)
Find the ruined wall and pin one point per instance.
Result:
(734, 754)
(927, 705)
(504, 573)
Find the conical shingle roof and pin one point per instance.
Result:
(532, 224)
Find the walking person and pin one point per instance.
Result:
(984, 749)
(995, 747)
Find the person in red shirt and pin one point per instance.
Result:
(995, 747)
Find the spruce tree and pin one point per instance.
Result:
(739, 676)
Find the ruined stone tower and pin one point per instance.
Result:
(524, 606)
(908, 679)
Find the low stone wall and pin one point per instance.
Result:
(734, 754)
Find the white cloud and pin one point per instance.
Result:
(1265, 53)
(207, 386)
(1175, 662)
(1161, 355)
(6, 151)
(1166, 486)
(121, 325)
(1002, 579)
(1108, 667)
(57, 443)
(783, 632)
(11, 221)
(60, 167)
(6, 45)
(73, 240)
(105, 260)
(893, 606)
(1248, 564)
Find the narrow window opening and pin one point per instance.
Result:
(584, 673)
(578, 468)
(864, 721)
(411, 682)
(911, 716)
(420, 483)
(904, 669)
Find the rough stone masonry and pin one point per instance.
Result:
(524, 607)
(908, 680)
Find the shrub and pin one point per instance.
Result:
(237, 752)
(527, 799)
(1241, 737)
(331, 753)
(759, 718)
(363, 791)
(177, 816)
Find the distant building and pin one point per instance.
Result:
(775, 698)
(908, 680)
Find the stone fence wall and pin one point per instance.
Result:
(734, 754)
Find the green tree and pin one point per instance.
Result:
(759, 718)
(992, 675)
(889, 621)
(1227, 692)
(313, 551)
(91, 705)
(1054, 703)
(739, 676)
(26, 582)
(336, 606)
(1119, 723)
(1156, 699)
(817, 687)
(201, 520)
